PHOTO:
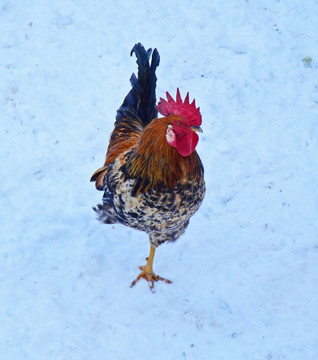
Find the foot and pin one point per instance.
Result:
(150, 277)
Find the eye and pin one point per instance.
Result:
(179, 123)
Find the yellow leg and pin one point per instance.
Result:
(147, 271)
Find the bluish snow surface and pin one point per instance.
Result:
(245, 274)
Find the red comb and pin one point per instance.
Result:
(178, 107)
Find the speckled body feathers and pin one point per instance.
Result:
(163, 214)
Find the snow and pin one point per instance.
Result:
(245, 274)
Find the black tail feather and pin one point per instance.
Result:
(104, 215)
(141, 100)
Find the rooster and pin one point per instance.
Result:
(153, 178)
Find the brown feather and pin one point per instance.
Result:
(124, 136)
(98, 177)
(154, 163)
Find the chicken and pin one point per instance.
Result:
(153, 178)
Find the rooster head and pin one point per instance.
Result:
(185, 123)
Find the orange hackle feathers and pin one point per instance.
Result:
(155, 163)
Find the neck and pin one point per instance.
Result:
(155, 163)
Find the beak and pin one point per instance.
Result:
(196, 129)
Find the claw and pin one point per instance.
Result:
(150, 277)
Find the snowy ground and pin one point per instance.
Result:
(245, 274)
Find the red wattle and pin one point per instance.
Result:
(186, 144)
